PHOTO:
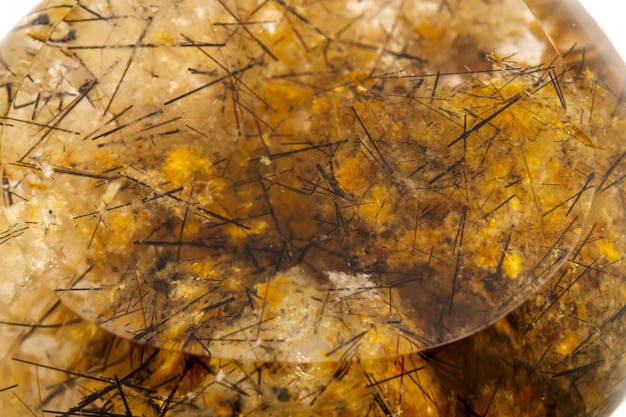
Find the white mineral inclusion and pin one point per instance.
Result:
(348, 284)
(528, 48)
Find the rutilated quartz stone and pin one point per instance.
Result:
(281, 208)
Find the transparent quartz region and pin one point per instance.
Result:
(280, 181)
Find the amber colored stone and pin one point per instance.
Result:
(289, 208)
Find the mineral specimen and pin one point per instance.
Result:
(291, 208)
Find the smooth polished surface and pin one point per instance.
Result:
(468, 209)
(323, 194)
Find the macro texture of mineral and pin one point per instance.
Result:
(292, 208)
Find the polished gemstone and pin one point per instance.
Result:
(284, 208)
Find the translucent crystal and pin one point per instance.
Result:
(222, 208)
